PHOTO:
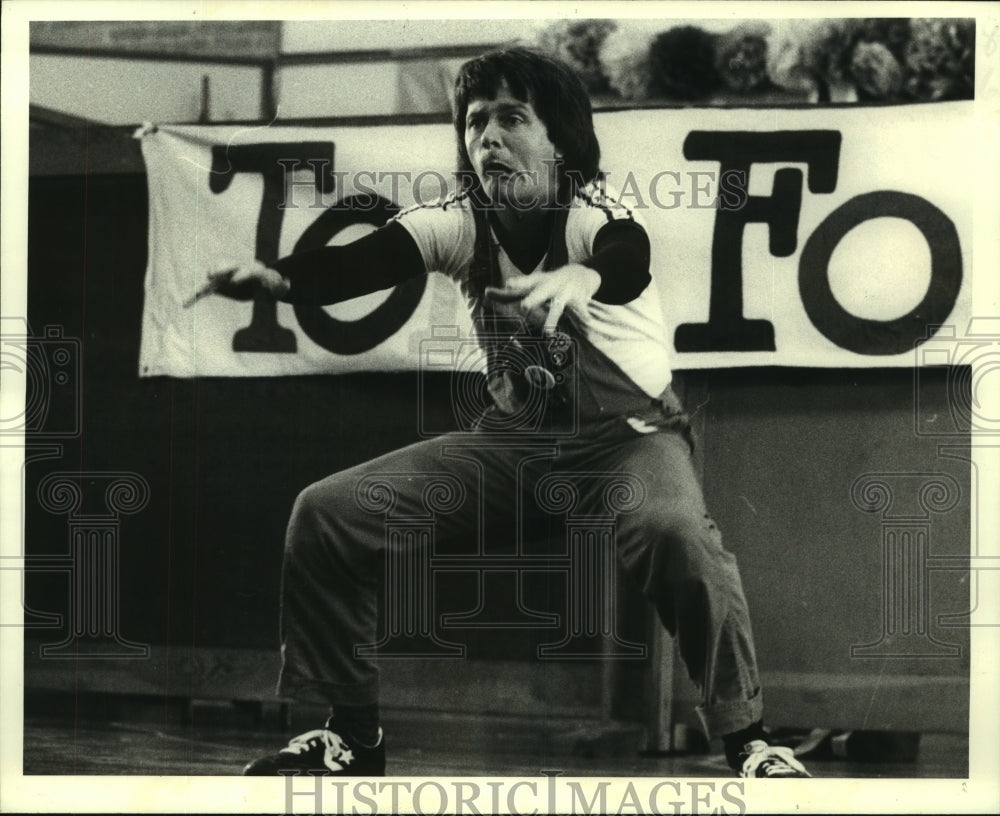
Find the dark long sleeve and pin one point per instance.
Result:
(389, 256)
(621, 258)
(332, 274)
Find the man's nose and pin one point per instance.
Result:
(491, 134)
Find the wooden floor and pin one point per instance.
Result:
(216, 741)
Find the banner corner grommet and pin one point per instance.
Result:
(145, 129)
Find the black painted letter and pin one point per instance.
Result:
(736, 152)
(356, 336)
(877, 337)
(270, 161)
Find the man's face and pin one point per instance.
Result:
(510, 151)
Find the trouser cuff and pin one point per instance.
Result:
(723, 718)
(334, 694)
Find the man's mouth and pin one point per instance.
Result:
(497, 168)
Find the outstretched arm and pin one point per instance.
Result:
(332, 274)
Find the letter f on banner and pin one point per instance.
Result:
(727, 329)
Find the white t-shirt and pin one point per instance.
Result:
(632, 334)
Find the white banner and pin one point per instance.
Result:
(804, 237)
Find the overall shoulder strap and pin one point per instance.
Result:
(558, 254)
(485, 269)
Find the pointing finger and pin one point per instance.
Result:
(501, 295)
(536, 298)
(245, 273)
(524, 283)
(555, 312)
(544, 290)
(514, 289)
(224, 273)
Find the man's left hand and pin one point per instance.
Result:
(569, 287)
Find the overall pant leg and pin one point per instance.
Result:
(673, 550)
(336, 537)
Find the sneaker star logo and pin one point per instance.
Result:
(338, 754)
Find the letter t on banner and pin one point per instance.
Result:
(272, 161)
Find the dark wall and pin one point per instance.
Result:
(224, 457)
(783, 450)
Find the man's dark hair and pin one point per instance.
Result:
(558, 97)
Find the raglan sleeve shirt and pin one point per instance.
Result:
(441, 238)
(625, 318)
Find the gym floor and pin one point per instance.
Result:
(118, 736)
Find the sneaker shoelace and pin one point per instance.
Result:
(336, 753)
(771, 761)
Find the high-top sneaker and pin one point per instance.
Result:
(770, 762)
(323, 752)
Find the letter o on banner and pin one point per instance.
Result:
(356, 336)
(881, 337)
